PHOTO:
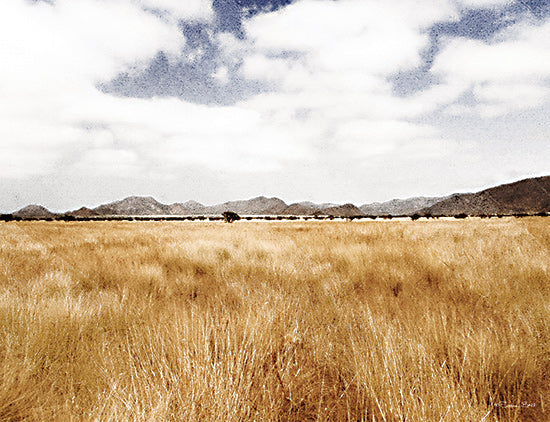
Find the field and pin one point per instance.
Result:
(275, 321)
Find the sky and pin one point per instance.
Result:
(322, 100)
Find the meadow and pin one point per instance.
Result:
(426, 320)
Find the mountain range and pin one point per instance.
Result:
(528, 196)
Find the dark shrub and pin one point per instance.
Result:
(230, 216)
(6, 217)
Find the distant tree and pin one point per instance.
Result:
(230, 216)
(415, 216)
(461, 215)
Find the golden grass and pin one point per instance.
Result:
(275, 321)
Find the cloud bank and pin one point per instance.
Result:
(326, 110)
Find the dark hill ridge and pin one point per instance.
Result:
(529, 196)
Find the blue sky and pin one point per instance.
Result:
(323, 100)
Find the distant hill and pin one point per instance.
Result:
(31, 211)
(400, 206)
(177, 209)
(346, 210)
(83, 212)
(255, 206)
(528, 196)
(195, 207)
(134, 205)
(301, 209)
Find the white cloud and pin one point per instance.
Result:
(174, 132)
(183, 9)
(366, 138)
(260, 67)
(479, 4)
(510, 72)
(59, 47)
(499, 98)
(221, 75)
(16, 162)
(476, 61)
(373, 36)
(330, 65)
(108, 162)
(53, 55)
(51, 108)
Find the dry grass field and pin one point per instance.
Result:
(275, 321)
